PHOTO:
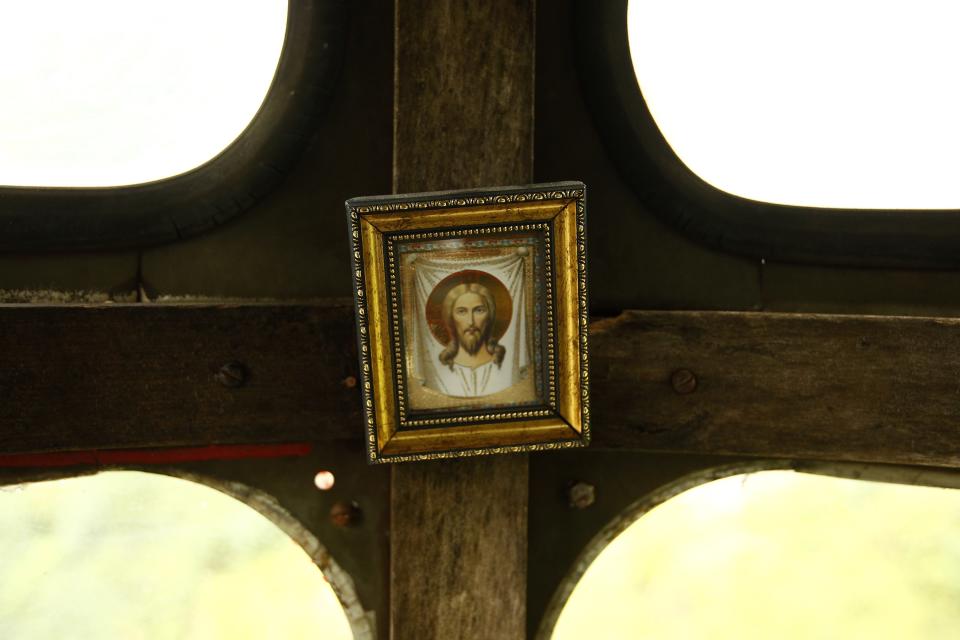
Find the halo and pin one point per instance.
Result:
(501, 298)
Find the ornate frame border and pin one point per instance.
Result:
(550, 364)
(558, 210)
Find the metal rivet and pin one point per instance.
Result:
(232, 375)
(581, 495)
(345, 514)
(683, 381)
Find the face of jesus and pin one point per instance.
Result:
(471, 317)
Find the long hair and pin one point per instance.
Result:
(453, 347)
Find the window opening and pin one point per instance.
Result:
(815, 103)
(778, 554)
(109, 92)
(133, 555)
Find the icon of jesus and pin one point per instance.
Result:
(469, 323)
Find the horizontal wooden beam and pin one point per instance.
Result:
(116, 376)
(861, 388)
(874, 389)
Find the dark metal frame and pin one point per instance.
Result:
(40, 219)
(670, 190)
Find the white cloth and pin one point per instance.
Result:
(467, 382)
(425, 348)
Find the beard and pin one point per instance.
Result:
(471, 339)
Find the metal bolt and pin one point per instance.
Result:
(683, 381)
(581, 495)
(232, 375)
(345, 514)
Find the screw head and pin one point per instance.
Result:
(683, 381)
(345, 514)
(581, 495)
(232, 375)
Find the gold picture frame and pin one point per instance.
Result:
(471, 312)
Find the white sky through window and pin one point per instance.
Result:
(826, 103)
(114, 92)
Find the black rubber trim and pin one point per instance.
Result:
(668, 189)
(43, 219)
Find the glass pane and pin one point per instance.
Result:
(133, 555)
(113, 92)
(779, 555)
(826, 103)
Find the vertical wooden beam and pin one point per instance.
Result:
(463, 113)
(463, 118)
(458, 549)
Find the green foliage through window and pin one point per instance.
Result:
(780, 555)
(139, 556)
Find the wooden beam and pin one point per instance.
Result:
(857, 388)
(113, 376)
(464, 94)
(458, 539)
(463, 118)
(860, 388)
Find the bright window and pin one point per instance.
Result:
(112, 92)
(824, 103)
(779, 555)
(133, 555)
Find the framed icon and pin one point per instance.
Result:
(472, 319)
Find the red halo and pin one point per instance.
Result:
(501, 298)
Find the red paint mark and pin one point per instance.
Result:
(154, 456)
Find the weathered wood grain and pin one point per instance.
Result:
(881, 389)
(463, 119)
(90, 377)
(464, 94)
(868, 389)
(459, 548)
